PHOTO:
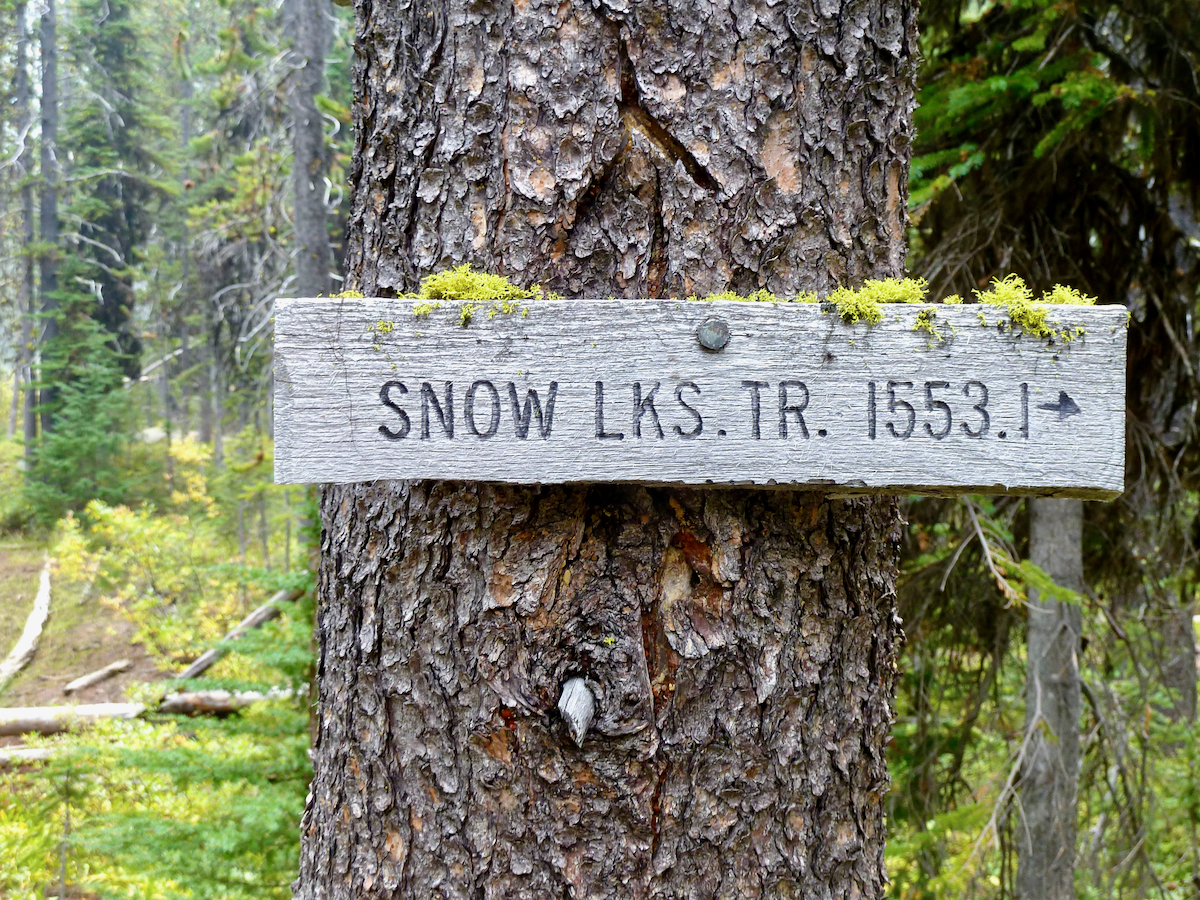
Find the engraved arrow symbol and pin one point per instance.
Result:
(1064, 407)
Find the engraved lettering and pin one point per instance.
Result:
(386, 400)
(600, 432)
(754, 387)
(980, 407)
(895, 404)
(796, 409)
(494, 413)
(445, 416)
(532, 410)
(695, 432)
(1024, 409)
(871, 410)
(643, 405)
(939, 405)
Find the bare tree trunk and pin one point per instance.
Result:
(740, 645)
(216, 388)
(1045, 834)
(263, 530)
(206, 397)
(14, 405)
(311, 36)
(1178, 653)
(186, 92)
(25, 168)
(48, 264)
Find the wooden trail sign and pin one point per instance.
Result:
(726, 393)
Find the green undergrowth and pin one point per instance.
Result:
(170, 807)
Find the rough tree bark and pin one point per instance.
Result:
(1050, 772)
(741, 645)
(48, 258)
(310, 27)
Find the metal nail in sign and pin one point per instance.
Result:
(677, 392)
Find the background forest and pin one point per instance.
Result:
(167, 169)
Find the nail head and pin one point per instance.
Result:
(713, 334)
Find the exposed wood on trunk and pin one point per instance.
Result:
(1045, 834)
(740, 645)
(260, 616)
(21, 654)
(86, 681)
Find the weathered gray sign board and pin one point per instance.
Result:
(624, 391)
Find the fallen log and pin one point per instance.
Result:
(260, 616)
(86, 681)
(213, 703)
(55, 719)
(27, 643)
(19, 756)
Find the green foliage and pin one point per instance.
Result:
(81, 459)
(176, 808)
(14, 514)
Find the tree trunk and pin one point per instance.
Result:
(48, 265)
(740, 645)
(1050, 774)
(310, 162)
(186, 92)
(207, 431)
(1176, 647)
(14, 403)
(25, 168)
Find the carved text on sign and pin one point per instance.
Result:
(585, 391)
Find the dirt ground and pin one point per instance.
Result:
(81, 636)
(20, 566)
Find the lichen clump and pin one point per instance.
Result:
(472, 289)
(1032, 316)
(865, 304)
(464, 283)
(762, 295)
(927, 321)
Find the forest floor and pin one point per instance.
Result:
(81, 635)
(20, 566)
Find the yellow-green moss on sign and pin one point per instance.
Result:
(472, 289)
(1031, 316)
(866, 303)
